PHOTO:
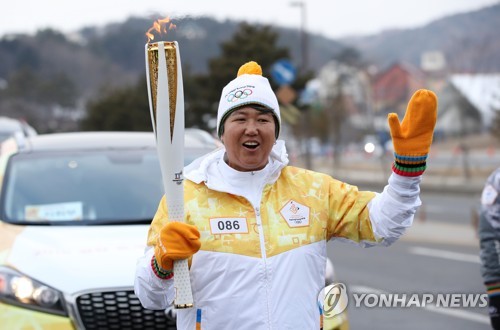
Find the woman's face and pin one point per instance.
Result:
(249, 136)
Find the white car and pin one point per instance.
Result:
(11, 126)
(74, 213)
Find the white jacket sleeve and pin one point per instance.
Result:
(153, 292)
(392, 211)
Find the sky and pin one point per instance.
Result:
(331, 18)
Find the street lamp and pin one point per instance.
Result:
(303, 34)
(303, 70)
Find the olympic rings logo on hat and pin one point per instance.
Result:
(239, 95)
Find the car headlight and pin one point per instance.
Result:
(20, 290)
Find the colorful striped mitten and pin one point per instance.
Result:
(412, 137)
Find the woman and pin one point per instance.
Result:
(257, 229)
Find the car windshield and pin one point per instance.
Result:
(5, 135)
(82, 188)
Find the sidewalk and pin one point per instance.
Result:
(430, 182)
(444, 174)
(374, 175)
(430, 230)
(436, 232)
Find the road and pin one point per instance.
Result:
(438, 255)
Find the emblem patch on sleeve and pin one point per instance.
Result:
(295, 214)
(489, 195)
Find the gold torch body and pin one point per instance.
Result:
(166, 104)
(152, 59)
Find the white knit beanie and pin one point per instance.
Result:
(248, 88)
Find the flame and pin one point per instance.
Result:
(160, 26)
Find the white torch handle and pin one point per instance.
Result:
(170, 147)
(182, 282)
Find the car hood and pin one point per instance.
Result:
(73, 259)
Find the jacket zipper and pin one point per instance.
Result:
(262, 247)
(264, 260)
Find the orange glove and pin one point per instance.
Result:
(177, 241)
(412, 137)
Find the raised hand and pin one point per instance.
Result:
(412, 137)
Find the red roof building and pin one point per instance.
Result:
(393, 88)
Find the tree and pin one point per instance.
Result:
(495, 127)
(495, 107)
(36, 97)
(128, 108)
(350, 56)
(123, 109)
(249, 43)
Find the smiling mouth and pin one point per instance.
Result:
(251, 145)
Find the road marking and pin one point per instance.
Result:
(460, 313)
(445, 254)
(454, 312)
(365, 289)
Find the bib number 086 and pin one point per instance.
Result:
(228, 226)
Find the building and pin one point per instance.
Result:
(393, 88)
(468, 103)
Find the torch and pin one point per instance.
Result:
(166, 104)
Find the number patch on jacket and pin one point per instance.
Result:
(228, 226)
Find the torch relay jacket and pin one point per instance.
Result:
(489, 232)
(263, 240)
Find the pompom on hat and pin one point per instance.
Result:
(248, 88)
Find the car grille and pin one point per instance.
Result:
(119, 310)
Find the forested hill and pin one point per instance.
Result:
(469, 42)
(50, 71)
(97, 56)
(114, 54)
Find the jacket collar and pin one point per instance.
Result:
(205, 169)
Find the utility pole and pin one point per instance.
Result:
(303, 34)
(306, 122)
